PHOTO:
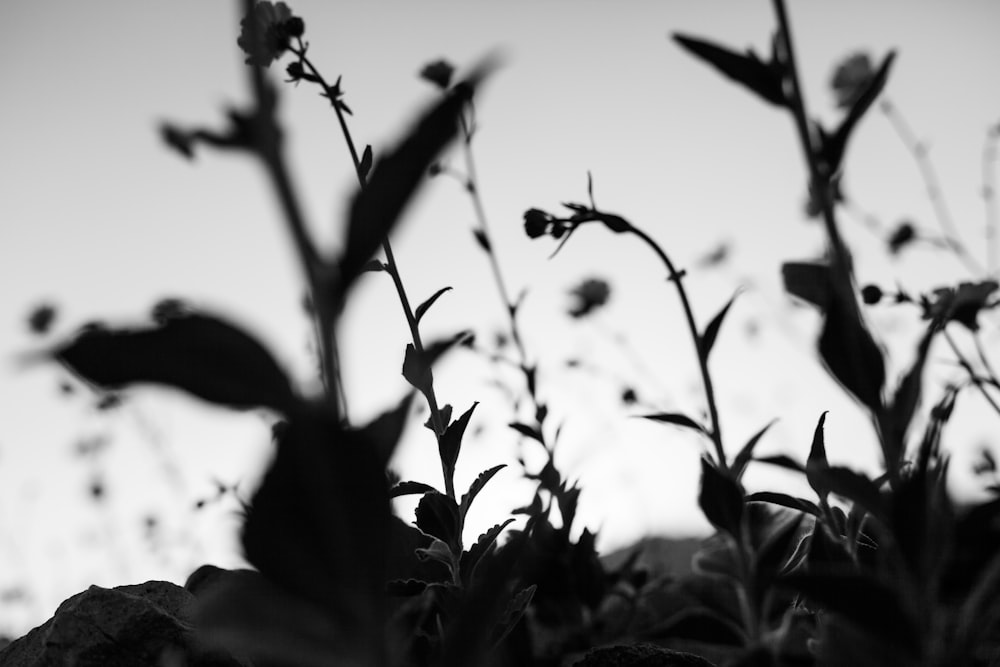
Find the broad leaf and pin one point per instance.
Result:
(437, 516)
(721, 499)
(748, 70)
(851, 354)
(198, 353)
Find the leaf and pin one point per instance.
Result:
(366, 163)
(808, 281)
(833, 147)
(712, 330)
(417, 367)
(439, 552)
(410, 488)
(395, 178)
(782, 461)
(905, 401)
(528, 431)
(862, 600)
(700, 624)
(485, 542)
(721, 499)
(773, 555)
(851, 354)
(386, 429)
(482, 240)
(785, 500)
(198, 353)
(477, 486)
(677, 419)
(513, 613)
(422, 308)
(744, 455)
(451, 442)
(852, 485)
(748, 70)
(437, 516)
(817, 460)
(405, 587)
(318, 525)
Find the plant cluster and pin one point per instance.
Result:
(871, 571)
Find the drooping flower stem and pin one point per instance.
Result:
(391, 266)
(678, 280)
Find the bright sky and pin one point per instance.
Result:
(98, 218)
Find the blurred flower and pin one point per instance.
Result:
(851, 79)
(590, 294)
(537, 222)
(266, 32)
(961, 304)
(871, 294)
(439, 73)
(901, 237)
(41, 319)
(178, 139)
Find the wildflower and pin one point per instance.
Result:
(265, 33)
(537, 223)
(961, 304)
(851, 79)
(590, 294)
(439, 73)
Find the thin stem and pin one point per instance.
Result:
(973, 377)
(927, 172)
(990, 196)
(392, 267)
(706, 377)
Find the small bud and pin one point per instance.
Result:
(871, 294)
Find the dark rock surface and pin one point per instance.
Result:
(640, 655)
(125, 626)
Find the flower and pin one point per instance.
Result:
(438, 72)
(537, 222)
(266, 32)
(590, 294)
(959, 304)
(851, 79)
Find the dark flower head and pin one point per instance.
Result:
(41, 319)
(537, 223)
(871, 294)
(851, 78)
(590, 294)
(265, 33)
(959, 304)
(439, 73)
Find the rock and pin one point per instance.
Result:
(640, 655)
(143, 624)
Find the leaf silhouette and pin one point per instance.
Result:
(851, 354)
(365, 166)
(906, 399)
(744, 455)
(396, 175)
(721, 499)
(817, 459)
(785, 500)
(422, 308)
(451, 442)
(477, 486)
(437, 515)
(411, 488)
(677, 419)
(808, 281)
(484, 543)
(747, 70)
(198, 353)
(712, 330)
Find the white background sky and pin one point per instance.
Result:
(98, 218)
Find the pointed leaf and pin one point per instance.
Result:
(785, 500)
(906, 399)
(422, 308)
(851, 354)
(482, 240)
(451, 442)
(744, 455)
(854, 486)
(677, 419)
(198, 353)
(747, 70)
(833, 147)
(410, 488)
(378, 207)
(366, 163)
(712, 330)
(484, 544)
(476, 487)
(817, 459)
(782, 461)
(515, 610)
(721, 499)
(528, 431)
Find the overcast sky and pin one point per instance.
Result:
(99, 219)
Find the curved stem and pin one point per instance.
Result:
(973, 377)
(706, 377)
(392, 267)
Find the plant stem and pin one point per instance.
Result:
(990, 196)
(706, 377)
(392, 268)
(929, 176)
